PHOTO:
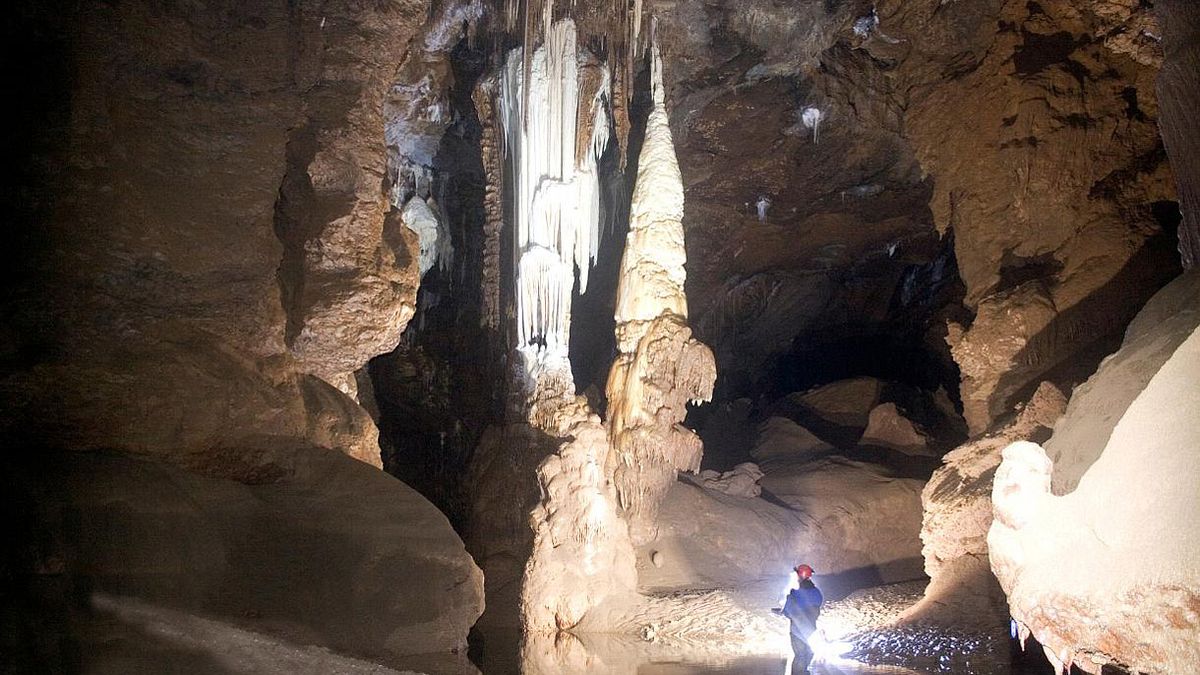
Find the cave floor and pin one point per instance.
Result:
(733, 631)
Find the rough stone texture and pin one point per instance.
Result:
(1178, 87)
(347, 296)
(1133, 509)
(1055, 246)
(581, 571)
(957, 512)
(309, 553)
(741, 481)
(660, 368)
(212, 266)
(886, 427)
(1025, 130)
(153, 321)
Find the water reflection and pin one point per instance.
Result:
(505, 653)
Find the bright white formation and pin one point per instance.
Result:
(434, 238)
(556, 189)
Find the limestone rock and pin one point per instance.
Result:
(862, 515)
(1133, 511)
(581, 569)
(957, 512)
(741, 481)
(183, 395)
(838, 411)
(660, 367)
(855, 523)
(347, 297)
(886, 427)
(324, 552)
(1162, 325)
(781, 438)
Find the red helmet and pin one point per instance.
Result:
(803, 571)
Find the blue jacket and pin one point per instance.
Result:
(802, 607)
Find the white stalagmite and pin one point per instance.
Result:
(660, 367)
(556, 194)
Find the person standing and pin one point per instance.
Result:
(802, 607)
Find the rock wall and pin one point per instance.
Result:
(1057, 247)
(1107, 574)
(212, 267)
(218, 231)
(1178, 84)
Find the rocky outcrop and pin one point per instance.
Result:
(1132, 510)
(855, 523)
(887, 428)
(1057, 256)
(1162, 325)
(321, 550)
(215, 267)
(238, 140)
(957, 512)
(781, 438)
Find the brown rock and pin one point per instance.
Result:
(887, 428)
(957, 506)
(308, 555)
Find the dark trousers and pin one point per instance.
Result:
(804, 654)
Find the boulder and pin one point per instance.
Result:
(1108, 573)
(887, 428)
(781, 438)
(837, 412)
(742, 481)
(864, 518)
(857, 524)
(324, 551)
(1159, 329)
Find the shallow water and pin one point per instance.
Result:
(913, 652)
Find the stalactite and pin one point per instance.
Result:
(556, 193)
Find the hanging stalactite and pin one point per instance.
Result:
(555, 125)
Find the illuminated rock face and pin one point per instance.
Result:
(957, 512)
(659, 367)
(1108, 573)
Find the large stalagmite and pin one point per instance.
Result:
(659, 367)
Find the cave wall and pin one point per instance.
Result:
(1026, 131)
(1178, 84)
(206, 261)
(156, 317)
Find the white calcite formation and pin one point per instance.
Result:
(1110, 573)
(436, 248)
(659, 367)
(547, 105)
